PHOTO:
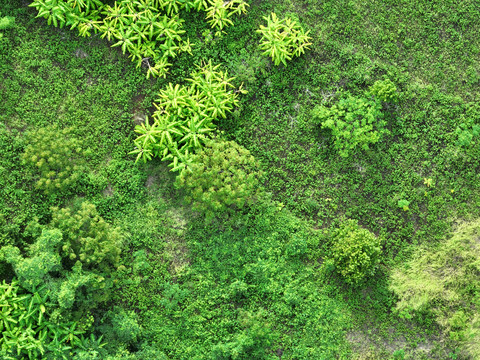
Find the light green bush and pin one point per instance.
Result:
(222, 176)
(384, 91)
(54, 157)
(283, 39)
(355, 251)
(88, 238)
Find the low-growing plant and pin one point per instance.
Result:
(444, 281)
(283, 39)
(55, 158)
(355, 252)
(354, 122)
(223, 176)
(150, 31)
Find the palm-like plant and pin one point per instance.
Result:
(283, 39)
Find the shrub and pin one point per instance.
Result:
(185, 116)
(384, 91)
(54, 157)
(223, 176)
(445, 281)
(355, 252)
(88, 238)
(353, 122)
(283, 39)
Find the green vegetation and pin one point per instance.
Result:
(355, 252)
(283, 39)
(445, 282)
(223, 176)
(204, 203)
(54, 157)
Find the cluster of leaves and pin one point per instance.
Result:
(150, 30)
(445, 281)
(87, 237)
(283, 39)
(384, 91)
(222, 176)
(185, 115)
(55, 158)
(353, 122)
(27, 330)
(43, 263)
(355, 251)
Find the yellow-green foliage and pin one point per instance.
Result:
(88, 238)
(55, 158)
(283, 39)
(355, 251)
(185, 114)
(222, 176)
(384, 90)
(446, 282)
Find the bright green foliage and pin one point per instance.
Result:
(222, 176)
(6, 22)
(88, 238)
(185, 115)
(149, 30)
(403, 204)
(355, 252)
(384, 91)
(55, 158)
(26, 330)
(353, 122)
(445, 281)
(43, 264)
(42, 257)
(283, 39)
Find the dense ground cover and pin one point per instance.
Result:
(258, 284)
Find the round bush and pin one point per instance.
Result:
(355, 251)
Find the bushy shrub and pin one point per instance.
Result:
(222, 176)
(55, 158)
(283, 39)
(355, 251)
(445, 281)
(384, 91)
(88, 238)
(253, 342)
(42, 264)
(353, 122)
(468, 128)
